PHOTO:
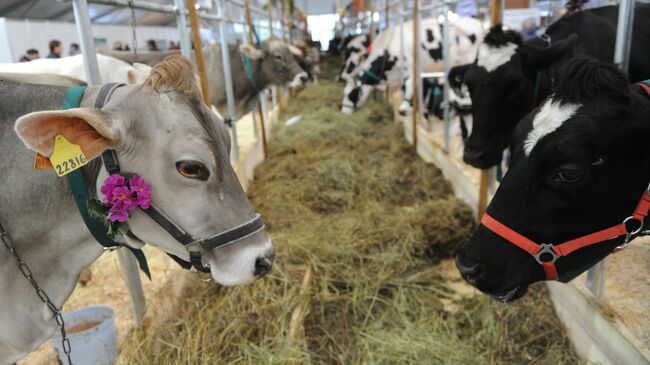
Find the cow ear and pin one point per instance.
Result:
(251, 51)
(545, 56)
(295, 51)
(139, 74)
(90, 128)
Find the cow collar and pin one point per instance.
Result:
(248, 67)
(547, 254)
(372, 75)
(195, 246)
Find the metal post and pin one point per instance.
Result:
(447, 66)
(230, 94)
(91, 67)
(181, 23)
(415, 74)
(624, 34)
(596, 275)
(128, 263)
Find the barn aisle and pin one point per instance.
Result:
(364, 234)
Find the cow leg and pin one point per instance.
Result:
(407, 102)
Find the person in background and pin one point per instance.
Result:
(529, 29)
(74, 49)
(31, 54)
(55, 49)
(151, 45)
(117, 46)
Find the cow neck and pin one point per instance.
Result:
(78, 182)
(547, 254)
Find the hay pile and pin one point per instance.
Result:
(345, 199)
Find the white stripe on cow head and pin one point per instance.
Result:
(550, 117)
(491, 57)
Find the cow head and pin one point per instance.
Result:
(373, 73)
(502, 85)
(278, 65)
(164, 132)
(580, 166)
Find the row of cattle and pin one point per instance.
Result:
(577, 188)
(159, 128)
(253, 68)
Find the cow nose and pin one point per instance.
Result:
(472, 272)
(473, 156)
(262, 266)
(304, 78)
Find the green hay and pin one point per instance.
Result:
(345, 196)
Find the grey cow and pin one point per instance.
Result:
(271, 64)
(160, 130)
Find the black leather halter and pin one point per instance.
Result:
(194, 245)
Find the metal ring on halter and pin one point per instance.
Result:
(546, 248)
(636, 230)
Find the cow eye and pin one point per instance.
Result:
(193, 170)
(568, 175)
(278, 57)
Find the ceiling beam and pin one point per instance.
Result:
(31, 5)
(59, 14)
(104, 13)
(13, 6)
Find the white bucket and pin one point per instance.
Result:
(91, 331)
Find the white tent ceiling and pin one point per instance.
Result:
(61, 10)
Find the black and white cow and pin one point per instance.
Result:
(383, 62)
(460, 106)
(510, 77)
(355, 49)
(580, 165)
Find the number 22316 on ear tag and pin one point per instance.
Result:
(66, 157)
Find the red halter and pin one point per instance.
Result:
(547, 254)
(552, 252)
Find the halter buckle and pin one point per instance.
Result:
(547, 248)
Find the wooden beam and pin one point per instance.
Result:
(483, 195)
(251, 40)
(269, 8)
(415, 115)
(198, 50)
(495, 12)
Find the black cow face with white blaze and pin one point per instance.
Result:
(357, 89)
(581, 162)
(502, 86)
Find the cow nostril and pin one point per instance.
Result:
(472, 272)
(262, 266)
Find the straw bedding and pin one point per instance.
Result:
(347, 202)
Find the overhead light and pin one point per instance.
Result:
(197, 6)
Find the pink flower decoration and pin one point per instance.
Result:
(142, 192)
(124, 197)
(111, 183)
(118, 213)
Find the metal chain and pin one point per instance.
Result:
(27, 273)
(133, 28)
